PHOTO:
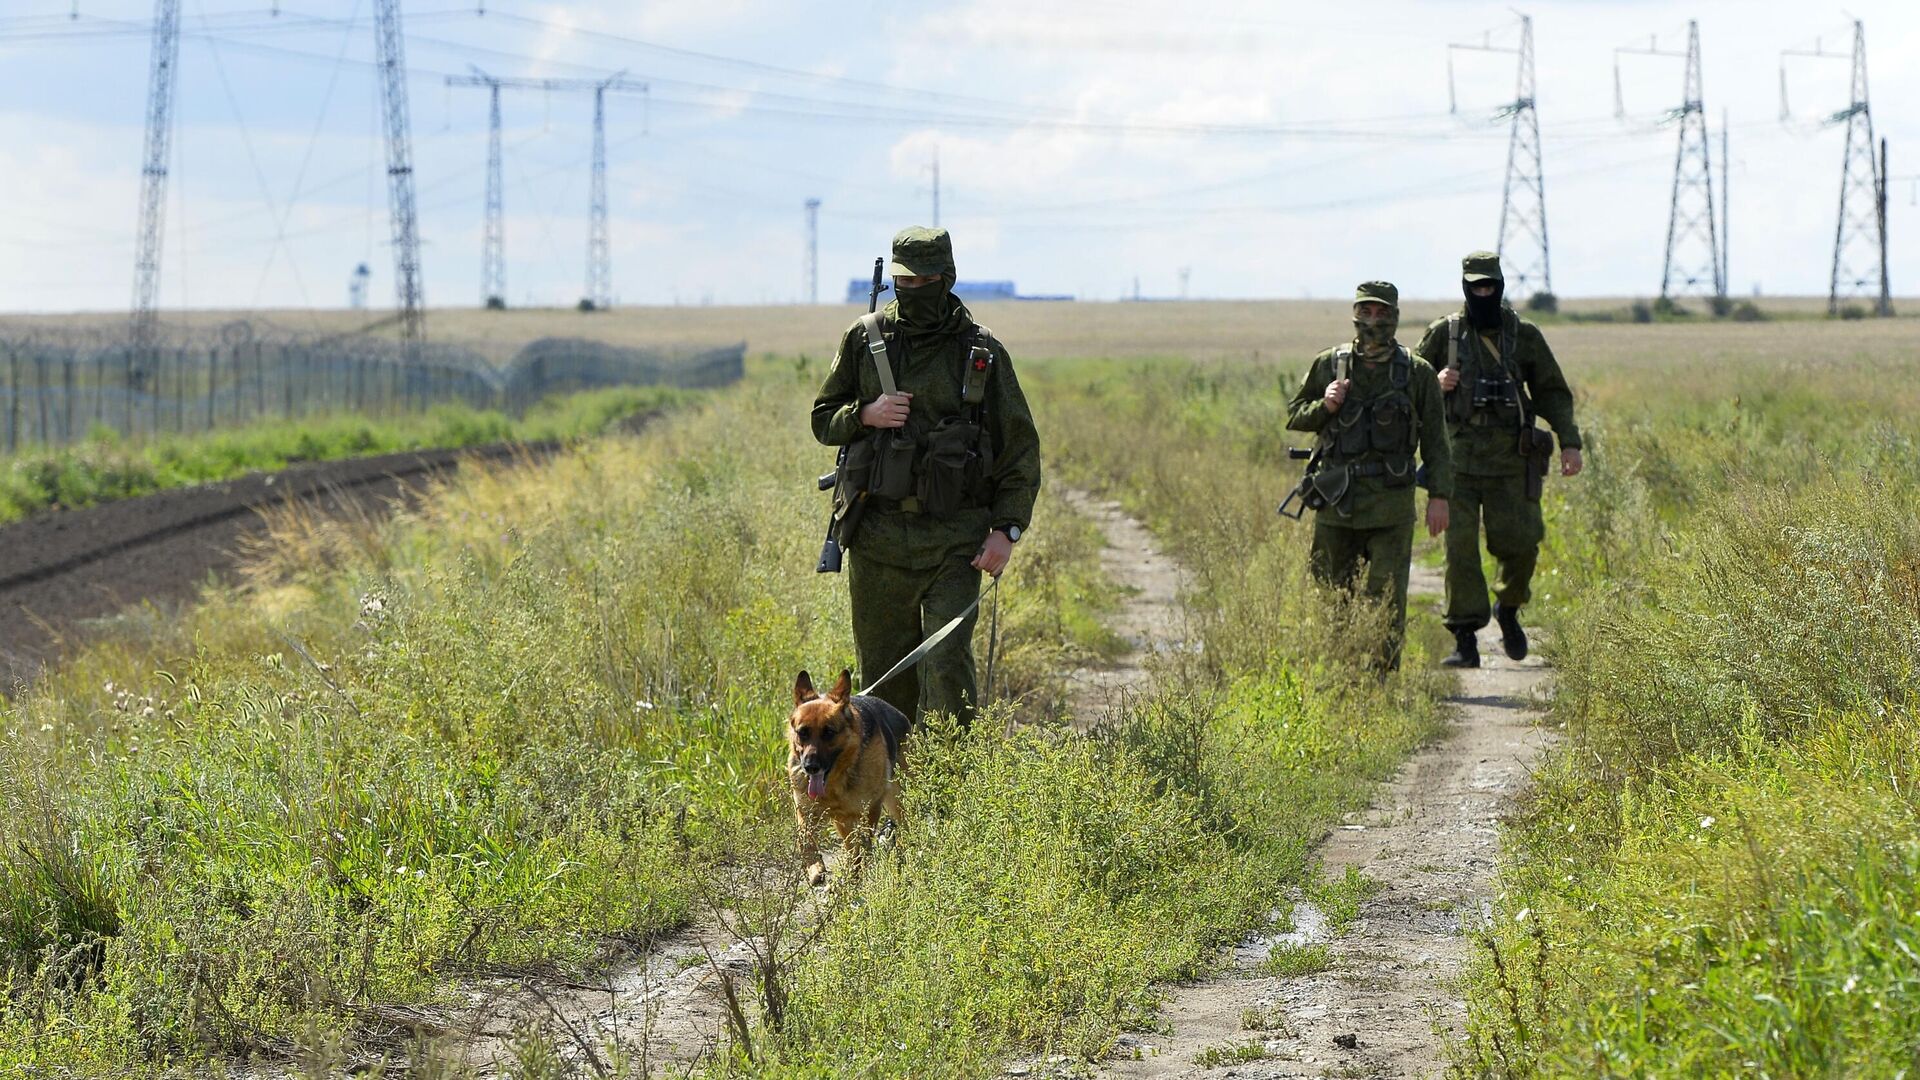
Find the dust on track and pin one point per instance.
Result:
(1430, 839)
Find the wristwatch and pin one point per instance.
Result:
(1012, 532)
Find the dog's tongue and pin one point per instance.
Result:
(816, 785)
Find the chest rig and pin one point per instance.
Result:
(1490, 393)
(1375, 436)
(944, 464)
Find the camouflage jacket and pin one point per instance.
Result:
(932, 369)
(1378, 502)
(1485, 440)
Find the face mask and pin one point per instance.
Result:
(1375, 335)
(922, 307)
(1483, 312)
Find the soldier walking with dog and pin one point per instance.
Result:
(940, 473)
(1498, 375)
(1372, 404)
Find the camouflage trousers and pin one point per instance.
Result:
(1339, 552)
(1514, 531)
(894, 610)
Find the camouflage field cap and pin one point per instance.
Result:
(919, 252)
(1480, 266)
(1382, 292)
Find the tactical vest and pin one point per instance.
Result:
(948, 468)
(1375, 436)
(1489, 393)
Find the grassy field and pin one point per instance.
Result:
(103, 468)
(535, 724)
(1717, 874)
(1290, 331)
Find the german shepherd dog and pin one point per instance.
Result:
(843, 759)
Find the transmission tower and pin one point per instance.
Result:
(153, 197)
(493, 245)
(599, 294)
(1693, 264)
(391, 52)
(599, 250)
(813, 252)
(936, 187)
(1523, 203)
(1860, 234)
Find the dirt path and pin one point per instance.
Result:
(1151, 618)
(667, 1009)
(1391, 990)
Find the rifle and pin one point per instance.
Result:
(844, 522)
(1305, 486)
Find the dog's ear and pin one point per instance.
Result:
(843, 689)
(803, 689)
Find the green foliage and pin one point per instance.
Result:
(104, 468)
(1717, 874)
(543, 714)
(1231, 1054)
(1291, 961)
(1544, 303)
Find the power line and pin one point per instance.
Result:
(391, 52)
(1691, 224)
(1523, 199)
(162, 76)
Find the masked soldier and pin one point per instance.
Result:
(1373, 404)
(1498, 375)
(955, 465)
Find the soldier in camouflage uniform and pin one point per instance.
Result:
(1498, 374)
(1372, 404)
(917, 558)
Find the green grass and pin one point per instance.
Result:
(541, 716)
(103, 468)
(1718, 874)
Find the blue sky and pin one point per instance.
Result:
(1271, 150)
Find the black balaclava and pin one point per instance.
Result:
(1483, 312)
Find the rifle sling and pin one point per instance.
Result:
(877, 348)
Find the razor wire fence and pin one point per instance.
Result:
(57, 392)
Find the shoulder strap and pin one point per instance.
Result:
(1402, 368)
(877, 348)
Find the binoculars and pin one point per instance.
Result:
(1493, 392)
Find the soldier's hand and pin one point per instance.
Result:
(1570, 463)
(994, 553)
(886, 411)
(1449, 378)
(1436, 516)
(1335, 395)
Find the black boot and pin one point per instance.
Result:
(1512, 637)
(1466, 651)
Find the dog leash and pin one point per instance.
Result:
(935, 638)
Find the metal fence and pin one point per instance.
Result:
(53, 393)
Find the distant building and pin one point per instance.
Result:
(965, 290)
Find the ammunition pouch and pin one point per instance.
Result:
(893, 454)
(853, 474)
(951, 471)
(1536, 446)
(1326, 487)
